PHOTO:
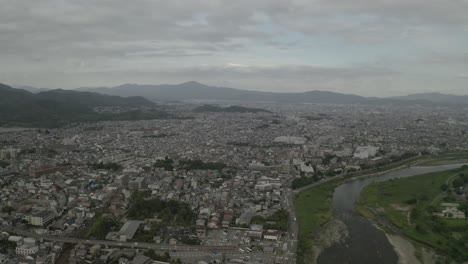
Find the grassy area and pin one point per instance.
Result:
(443, 162)
(363, 211)
(445, 159)
(314, 209)
(408, 203)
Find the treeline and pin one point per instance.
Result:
(4, 164)
(304, 181)
(200, 165)
(106, 166)
(277, 221)
(101, 227)
(170, 212)
(461, 180)
(167, 164)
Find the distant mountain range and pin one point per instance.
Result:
(191, 91)
(57, 107)
(435, 98)
(32, 89)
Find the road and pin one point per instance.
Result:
(189, 253)
(107, 243)
(293, 226)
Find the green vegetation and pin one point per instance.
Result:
(106, 166)
(317, 117)
(4, 164)
(101, 227)
(170, 212)
(200, 165)
(314, 209)
(449, 158)
(162, 135)
(7, 209)
(443, 162)
(303, 181)
(6, 245)
(277, 221)
(314, 205)
(409, 203)
(56, 108)
(166, 163)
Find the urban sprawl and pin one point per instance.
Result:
(209, 188)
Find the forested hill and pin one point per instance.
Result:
(57, 107)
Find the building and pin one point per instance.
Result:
(451, 211)
(272, 235)
(125, 233)
(136, 183)
(365, 152)
(246, 217)
(227, 218)
(26, 249)
(41, 218)
(255, 231)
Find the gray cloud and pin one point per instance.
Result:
(80, 42)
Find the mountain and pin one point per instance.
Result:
(197, 91)
(229, 109)
(436, 98)
(32, 89)
(91, 99)
(57, 107)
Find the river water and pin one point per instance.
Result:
(365, 244)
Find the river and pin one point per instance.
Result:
(365, 244)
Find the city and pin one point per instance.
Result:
(205, 189)
(233, 132)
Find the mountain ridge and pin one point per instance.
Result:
(195, 91)
(435, 97)
(57, 107)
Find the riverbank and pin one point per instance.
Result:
(314, 209)
(406, 206)
(314, 202)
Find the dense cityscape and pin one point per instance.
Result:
(212, 187)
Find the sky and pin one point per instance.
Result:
(367, 47)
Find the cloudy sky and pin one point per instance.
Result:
(366, 47)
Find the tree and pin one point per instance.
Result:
(7, 209)
(444, 187)
(457, 183)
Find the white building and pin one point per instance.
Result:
(40, 218)
(27, 249)
(365, 152)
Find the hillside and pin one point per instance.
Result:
(32, 89)
(57, 107)
(194, 91)
(90, 99)
(197, 91)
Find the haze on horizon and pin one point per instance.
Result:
(366, 47)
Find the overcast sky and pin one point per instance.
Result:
(366, 47)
